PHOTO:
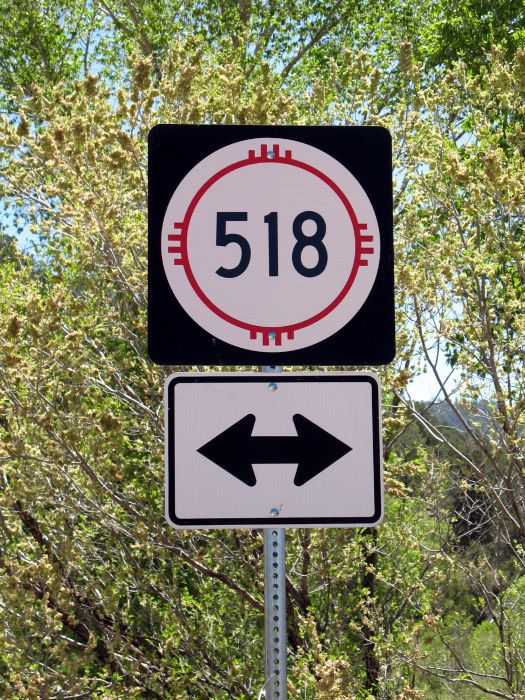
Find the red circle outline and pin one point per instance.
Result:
(288, 329)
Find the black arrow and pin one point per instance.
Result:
(312, 449)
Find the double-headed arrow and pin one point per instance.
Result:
(312, 449)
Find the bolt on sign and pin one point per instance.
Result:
(270, 245)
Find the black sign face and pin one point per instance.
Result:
(270, 245)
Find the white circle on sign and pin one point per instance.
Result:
(270, 253)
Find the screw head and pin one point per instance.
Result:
(272, 386)
(274, 512)
(271, 155)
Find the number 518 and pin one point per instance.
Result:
(303, 241)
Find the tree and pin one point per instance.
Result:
(99, 598)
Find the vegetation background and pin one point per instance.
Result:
(98, 597)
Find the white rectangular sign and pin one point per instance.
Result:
(267, 450)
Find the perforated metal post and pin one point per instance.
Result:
(275, 613)
(275, 637)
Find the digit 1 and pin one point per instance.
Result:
(273, 253)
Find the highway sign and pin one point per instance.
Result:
(273, 450)
(270, 245)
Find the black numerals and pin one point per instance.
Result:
(223, 239)
(315, 240)
(273, 256)
(303, 241)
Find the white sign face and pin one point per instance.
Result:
(270, 245)
(271, 450)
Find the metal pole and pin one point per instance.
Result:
(275, 613)
(275, 636)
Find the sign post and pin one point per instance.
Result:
(275, 627)
(271, 246)
(239, 454)
(275, 633)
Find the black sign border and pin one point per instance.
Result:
(202, 523)
(176, 339)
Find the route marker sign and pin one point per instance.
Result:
(273, 450)
(270, 245)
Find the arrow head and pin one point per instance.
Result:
(230, 450)
(318, 449)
